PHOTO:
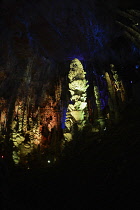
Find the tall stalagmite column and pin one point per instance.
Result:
(112, 88)
(99, 111)
(77, 109)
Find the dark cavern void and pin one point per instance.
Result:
(69, 85)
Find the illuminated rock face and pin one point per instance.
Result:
(25, 133)
(31, 127)
(77, 109)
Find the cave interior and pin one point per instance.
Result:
(69, 99)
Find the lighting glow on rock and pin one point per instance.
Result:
(77, 109)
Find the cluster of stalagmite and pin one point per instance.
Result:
(32, 127)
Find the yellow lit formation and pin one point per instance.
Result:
(77, 109)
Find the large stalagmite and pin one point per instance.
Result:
(77, 109)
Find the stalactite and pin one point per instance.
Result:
(135, 13)
(132, 38)
(132, 34)
(127, 15)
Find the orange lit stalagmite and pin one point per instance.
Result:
(3, 119)
(33, 127)
(3, 114)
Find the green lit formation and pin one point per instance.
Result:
(77, 109)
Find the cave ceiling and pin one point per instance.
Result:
(63, 30)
